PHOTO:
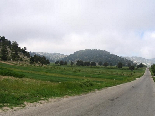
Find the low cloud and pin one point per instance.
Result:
(121, 27)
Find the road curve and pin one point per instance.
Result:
(136, 98)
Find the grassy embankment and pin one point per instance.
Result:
(153, 75)
(29, 83)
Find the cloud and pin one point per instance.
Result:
(121, 27)
(147, 49)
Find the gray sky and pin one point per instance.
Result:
(122, 27)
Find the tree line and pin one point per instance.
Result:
(105, 64)
(39, 59)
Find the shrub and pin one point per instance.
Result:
(153, 68)
(86, 83)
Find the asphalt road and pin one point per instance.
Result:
(136, 98)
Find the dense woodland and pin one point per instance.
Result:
(10, 51)
(101, 57)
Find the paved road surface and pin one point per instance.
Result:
(135, 98)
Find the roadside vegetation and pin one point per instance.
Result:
(153, 71)
(28, 83)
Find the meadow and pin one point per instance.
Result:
(27, 83)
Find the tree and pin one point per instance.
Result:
(65, 63)
(86, 63)
(119, 65)
(15, 50)
(153, 68)
(43, 60)
(4, 53)
(25, 48)
(140, 65)
(31, 60)
(57, 62)
(79, 63)
(131, 67)
(15, 46)
(105, 64)
(93, 64)
(100, 63)
(2, 39)
(39, 59)
(61, 62)
(72, 63)
(110, 64)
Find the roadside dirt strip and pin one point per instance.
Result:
(136, 98)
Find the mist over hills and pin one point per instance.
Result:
(94, 55)
(52, 57)
(87, 55)
(138, 60)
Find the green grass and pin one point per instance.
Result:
(31, 83)
(152, 74)
(7, 72)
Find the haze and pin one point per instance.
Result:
(122, 27)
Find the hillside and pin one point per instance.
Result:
(10, 51)
(96, 56)
(52, 57)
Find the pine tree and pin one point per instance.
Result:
(119, 65)
(105, 64)
(100, 63)
(4, 53)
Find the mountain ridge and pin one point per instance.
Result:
(138, 60)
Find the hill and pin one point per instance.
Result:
(10, 51)
(94, 55)
(52, 57)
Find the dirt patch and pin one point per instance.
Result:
(5, 77)
(28, 105)
(7, 63)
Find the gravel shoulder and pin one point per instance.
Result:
(136, 98)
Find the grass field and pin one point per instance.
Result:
(19, 84)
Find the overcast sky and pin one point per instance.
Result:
(122, 27)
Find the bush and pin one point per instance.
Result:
(131, 67)
(153, 69)
(86, 83)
